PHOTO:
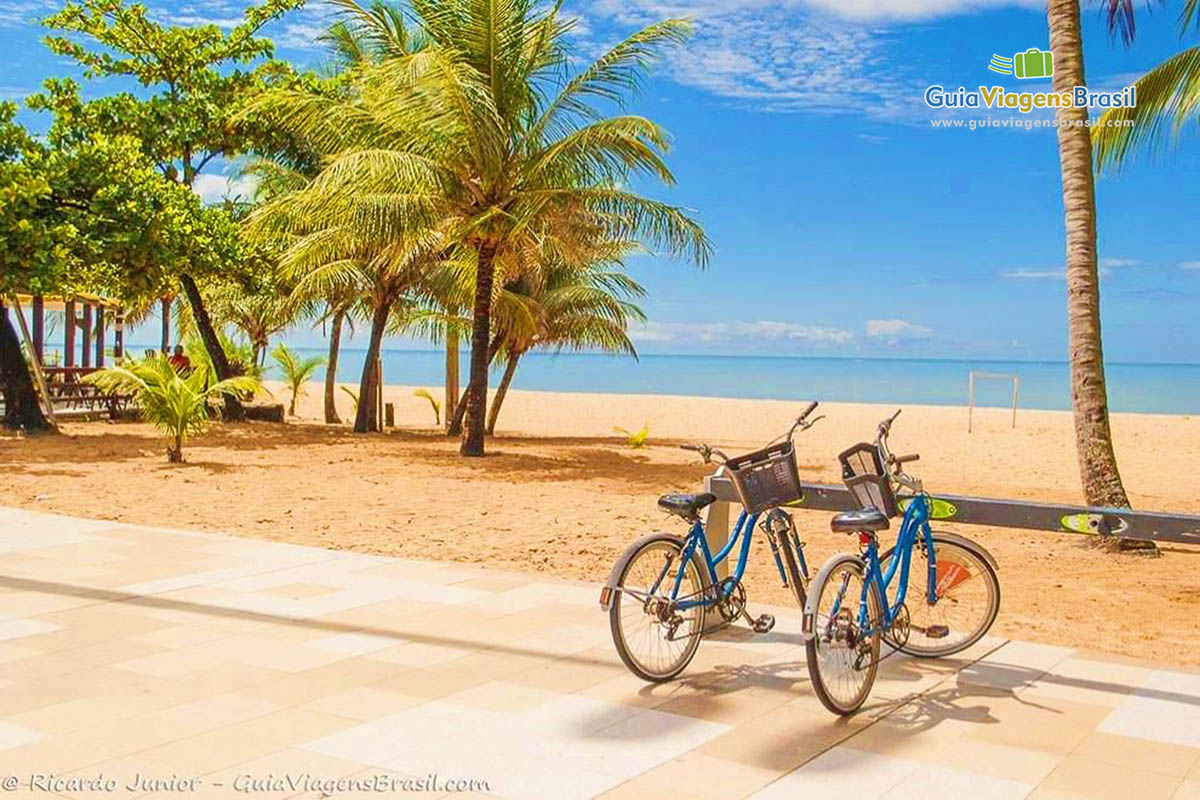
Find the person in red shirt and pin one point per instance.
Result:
(180, 361)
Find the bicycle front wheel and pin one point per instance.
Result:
(654, 637)
(843, 655)
(966, 598)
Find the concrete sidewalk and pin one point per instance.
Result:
(223, 667)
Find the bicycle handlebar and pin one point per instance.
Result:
(895, 463)
(802, 422)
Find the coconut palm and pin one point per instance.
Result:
(1089, 400)
(577, 309)
(1168, 96)
(477, 142)
(296, 372)
(178, 405)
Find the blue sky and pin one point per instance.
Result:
(845, 224)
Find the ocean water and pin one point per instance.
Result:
(1153, 388)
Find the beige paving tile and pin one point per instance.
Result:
(1188, 790)
(1169, 759)
(218, 710)
(708, 777)
(365, 703)
(1099, 780)
(509, 698)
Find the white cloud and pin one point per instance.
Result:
(1117, 263)
(794, 55)
(763, 330)
(1036, 274)
(215, 188)
(896, 329)
(1189, 265)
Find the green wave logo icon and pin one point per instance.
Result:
(1001, 64)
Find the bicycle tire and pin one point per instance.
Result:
(821, 682)
(794, 576)
(981, 563)
(618, 576)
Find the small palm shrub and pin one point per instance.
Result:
(437, 407)
(636, 440)
(178, 405)
(296, 372)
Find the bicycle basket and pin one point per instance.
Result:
(864, 475)
(766, 478)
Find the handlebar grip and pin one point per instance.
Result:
(695, 448)
(906, 459)
(811, 408)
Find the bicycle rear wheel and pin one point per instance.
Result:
(654, 638)
(967, 598)
(842, 657)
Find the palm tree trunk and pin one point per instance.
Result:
(481, 332)
(212, 343)
(456, 425)
(451, 374)
(502, 392)
(1089, 398)
(366, 419)
(335, 346)
(21, 406)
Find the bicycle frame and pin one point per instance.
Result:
(915, 522)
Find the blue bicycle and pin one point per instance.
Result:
(955, 596)
(661, 589)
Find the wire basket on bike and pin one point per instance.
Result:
(865, 476)
(766, 478)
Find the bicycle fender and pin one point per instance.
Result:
(810, 606)
(608, 590)
(970, 544)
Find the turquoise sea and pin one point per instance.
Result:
(1155, 388)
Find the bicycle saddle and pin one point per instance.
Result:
(868, 519)
(686, 505)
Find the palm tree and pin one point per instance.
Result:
(458, 144)
(178, 405)
(1089, 400)
(577, 309)
(296, 372)
(1167, 96)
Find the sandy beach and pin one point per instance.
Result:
(561, 493)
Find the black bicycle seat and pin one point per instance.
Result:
(868, 519)
(686, 505)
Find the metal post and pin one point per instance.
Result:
(86, 359)
(39, 329)
(99, 336)
(69, 334)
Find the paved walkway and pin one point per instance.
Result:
(234, 667)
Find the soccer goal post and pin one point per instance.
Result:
(975, 375)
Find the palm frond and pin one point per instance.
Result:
(1167, 98)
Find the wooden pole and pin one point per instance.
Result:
(99, 336)
(86, 359)
(970, 400)
(166, 326)
(35, 367)
(69, 334)
(119, 335)
(451, 374)
(39, 329)
(1016, 396)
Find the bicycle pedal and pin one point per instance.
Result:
(937, 632)
(763, 624)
